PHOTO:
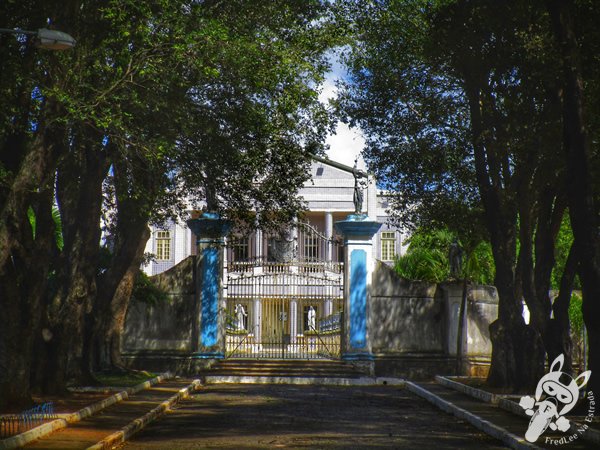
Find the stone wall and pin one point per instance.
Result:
(413, 326)
(167, 326)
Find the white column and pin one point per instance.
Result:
(327, 307)
(329, 235)
(294, 269)
(258, 247)
(256, 322)
(359, 265)
(293, 320)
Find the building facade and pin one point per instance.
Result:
(329, 198)
(305, 292)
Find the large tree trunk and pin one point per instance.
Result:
(115, 288)
(22, 287)
(135, 193)
(560, 326)
(582, 206)
(517, 353)
(517, 349)
(80, 201)
(119, 304)
(24, 262)
(551, 212)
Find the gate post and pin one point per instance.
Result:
(359, 264)
(210, 231)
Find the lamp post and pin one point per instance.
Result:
(45, 38)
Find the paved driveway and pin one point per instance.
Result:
(319, 417)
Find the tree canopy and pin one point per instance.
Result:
(161, 105)
(462, 104)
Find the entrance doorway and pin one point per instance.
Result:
(285, 308)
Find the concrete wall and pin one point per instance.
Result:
(167, 326)
(404, 316)
(413, 326)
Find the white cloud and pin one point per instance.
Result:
(346, 144)
(329, 89)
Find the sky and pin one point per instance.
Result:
(347, 143)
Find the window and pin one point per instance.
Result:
(311, 247)
(163, 245)
(388, 245)
(241, 250)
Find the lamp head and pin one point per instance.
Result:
(54, 40)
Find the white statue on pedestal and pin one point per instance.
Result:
(312, 318)
(240, 313)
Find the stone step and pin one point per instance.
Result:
(89, 431)
(284, 368)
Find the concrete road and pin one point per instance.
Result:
(316, 417)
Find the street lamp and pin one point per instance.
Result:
(45, 38)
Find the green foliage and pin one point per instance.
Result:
(564, 240)
(32, 220)
(145, 291)
(423, 264)
(58, 236)
(427, 259)
(58, 232)
(479, 266)
(576, 313)
(413, 115)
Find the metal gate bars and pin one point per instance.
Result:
(287, 305)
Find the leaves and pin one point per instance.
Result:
(427, 258)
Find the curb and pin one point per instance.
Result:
(35, 433)
(508, 403)
(478, 394)
(589, 435)
(325, 381)
(511, 440)
(139, 424)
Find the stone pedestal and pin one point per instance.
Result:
(359, 265)
(210, 231)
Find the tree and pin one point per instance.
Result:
(153, 93)
(427, 258)
(580, 160)
(459, 102)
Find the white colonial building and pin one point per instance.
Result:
(329, 198)
(305, 292)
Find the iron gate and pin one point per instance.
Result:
(284, 295)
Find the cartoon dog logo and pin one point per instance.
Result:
(561, 393)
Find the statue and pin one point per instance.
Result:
(240, 314)
(455, 256)
(358, 189)
(312, 315)
(283, 248)
(212, 201)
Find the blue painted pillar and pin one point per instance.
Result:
(359, 264)
(209, 334)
